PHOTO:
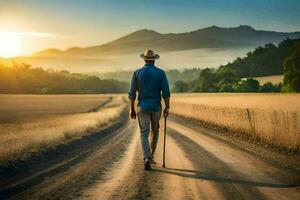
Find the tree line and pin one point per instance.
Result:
(172, 74)
(22, 78)
(238, 76)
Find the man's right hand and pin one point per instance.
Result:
(132, 114)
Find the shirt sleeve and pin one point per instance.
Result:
(133, 88)
(165, 87)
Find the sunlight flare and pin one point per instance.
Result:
(10, 44)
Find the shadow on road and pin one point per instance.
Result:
(204, 176)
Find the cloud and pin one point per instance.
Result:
(31, 34)
(37, 34)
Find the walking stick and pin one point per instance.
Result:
(164, 151)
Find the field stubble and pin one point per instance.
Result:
(271, 118)
(38, 131)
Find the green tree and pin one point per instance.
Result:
(181, 86)
(207, 81)
(226, 87)
(269, 87)
(227, 75)
(291, 81)
(227, 78)
(248, 85)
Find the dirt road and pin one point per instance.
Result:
(108, 165)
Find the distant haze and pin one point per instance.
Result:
(169, 60)
(208, 47)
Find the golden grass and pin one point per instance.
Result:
(18, 140)
(20, 108)
(273, 118)
(275, 79)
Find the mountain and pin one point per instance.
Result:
(211, 37)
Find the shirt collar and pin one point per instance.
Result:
(146, 65)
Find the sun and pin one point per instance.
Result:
(10, 45)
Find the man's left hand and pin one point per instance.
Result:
(166, 112)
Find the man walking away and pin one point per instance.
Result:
(151, 84)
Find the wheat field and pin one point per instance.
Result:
(272, 118)
(275, 79)
(31, 124)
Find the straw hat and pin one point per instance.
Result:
(149, 55)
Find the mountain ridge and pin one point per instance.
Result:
(209, 37)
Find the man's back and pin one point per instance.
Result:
(151, 83)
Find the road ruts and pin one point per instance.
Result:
(198, 166)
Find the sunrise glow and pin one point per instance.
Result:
(10, 45)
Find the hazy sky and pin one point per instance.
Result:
(64, 23)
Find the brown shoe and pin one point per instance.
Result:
(147, 164)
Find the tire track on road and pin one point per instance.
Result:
(104, 146)
(211, 168)
(234, 172)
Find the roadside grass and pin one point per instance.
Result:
(271, 118)
(19, 140)
(27, 107)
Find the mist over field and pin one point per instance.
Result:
(200, 58)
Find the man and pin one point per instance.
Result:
(151, 84)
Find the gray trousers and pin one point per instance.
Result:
(146, 121)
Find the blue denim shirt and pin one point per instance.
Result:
(151, 83)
